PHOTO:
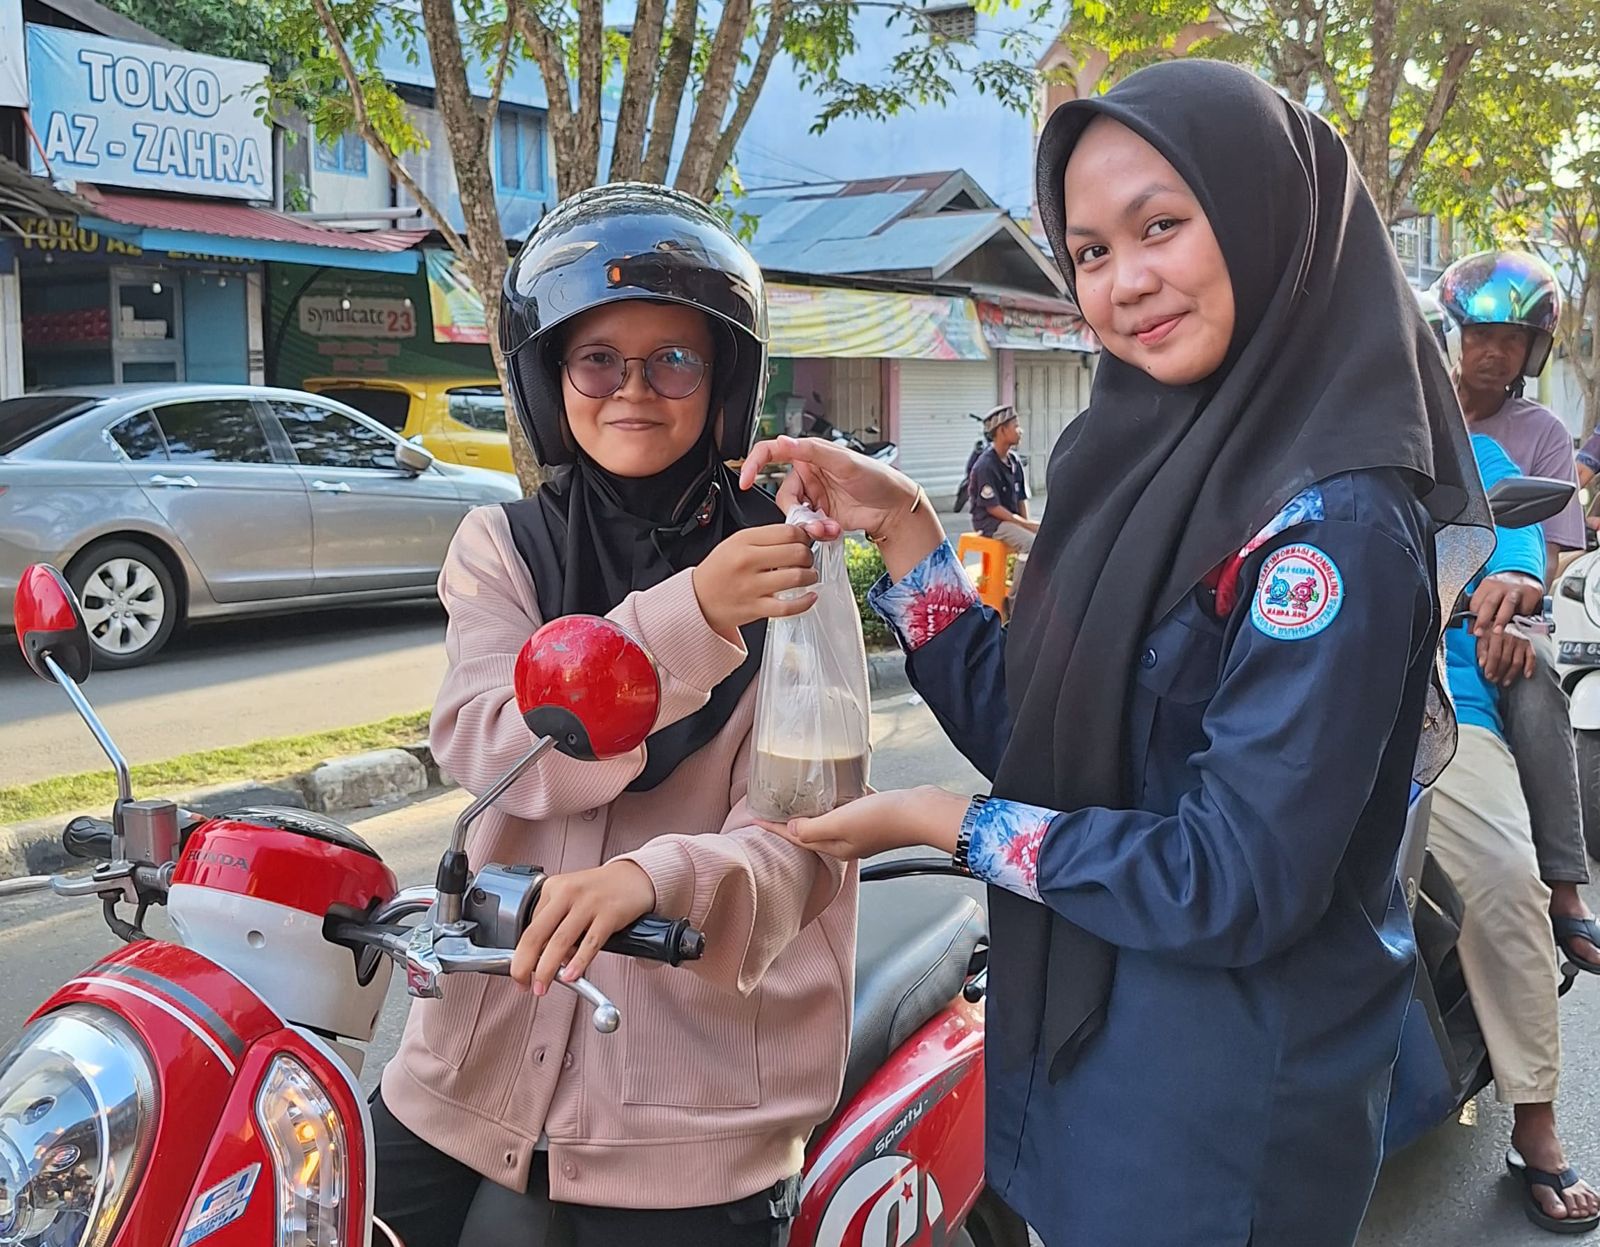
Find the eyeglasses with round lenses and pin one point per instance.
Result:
(600, 371)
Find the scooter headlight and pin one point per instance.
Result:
(306, 1138)
(77, 1116)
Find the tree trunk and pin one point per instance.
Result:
(748, 94)
(695, 175)
(530, 473)
(486, 260)
(1586, 358)
(1444, 98)
(1371, 138)
(1591, 407)
(563, 123)
(591, 64)
(644, 58)
(669, 92)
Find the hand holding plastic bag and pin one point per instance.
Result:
(813, 711)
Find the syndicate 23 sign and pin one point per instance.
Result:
(125, 114)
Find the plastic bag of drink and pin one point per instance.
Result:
(812, 728)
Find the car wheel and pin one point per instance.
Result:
(129, 601)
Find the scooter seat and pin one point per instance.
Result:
(914, 944)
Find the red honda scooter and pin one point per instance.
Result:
(205, 1091)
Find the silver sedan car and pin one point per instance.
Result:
(169, 503)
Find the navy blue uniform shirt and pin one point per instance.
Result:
(994, 482)
(1237, 1091)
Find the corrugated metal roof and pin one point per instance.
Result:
(911, 244)
(237, 220)
(858, 216)
(107, 22)
(21, 189)
(885, 225)
(919, 182)
(1024, 300)
(804, 220)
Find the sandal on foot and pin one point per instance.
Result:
(1567, 929)
(1557, 1182)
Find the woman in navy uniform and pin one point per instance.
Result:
(1204, 723)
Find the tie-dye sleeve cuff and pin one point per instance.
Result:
(927, 600)
(1004, 842)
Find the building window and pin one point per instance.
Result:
(346, 154)
(1418, 244)
(1405, 242)
(956, 23)
(519, 155)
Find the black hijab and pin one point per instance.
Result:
(590, 537)
(1332, 369)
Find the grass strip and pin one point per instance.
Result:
(264, 760)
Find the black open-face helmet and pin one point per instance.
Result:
(632, 240)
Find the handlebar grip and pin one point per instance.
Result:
(655, 938)
(88, 837)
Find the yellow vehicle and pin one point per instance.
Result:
(457, 419)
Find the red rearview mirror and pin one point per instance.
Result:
(50, 622)
(585, 682)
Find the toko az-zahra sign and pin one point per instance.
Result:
(127, 114)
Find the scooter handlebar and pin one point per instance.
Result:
(654, 938)
(88, 838)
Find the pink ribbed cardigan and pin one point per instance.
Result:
(719, 1071)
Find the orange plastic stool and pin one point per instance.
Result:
(990, 579)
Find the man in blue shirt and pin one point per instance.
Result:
(1481, 835)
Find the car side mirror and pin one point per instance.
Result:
(1518, 501)
(413, 458)
(50, 625)
(589, 686)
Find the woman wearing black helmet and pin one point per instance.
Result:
(634, 329)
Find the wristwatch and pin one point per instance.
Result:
(969, 820)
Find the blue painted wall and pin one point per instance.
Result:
(216, 333)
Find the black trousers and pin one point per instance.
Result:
(432, 1200)
(1539, 731)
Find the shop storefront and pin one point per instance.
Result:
(324, 322)
(98, 309)
(914, 364)
(167, 284)
(1048, 356)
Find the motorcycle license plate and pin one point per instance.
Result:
(1575, 652)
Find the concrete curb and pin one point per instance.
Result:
(382, 777)
(886, 672)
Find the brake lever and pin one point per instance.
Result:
(429, 956)
(26, 885)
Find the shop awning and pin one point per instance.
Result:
(24, 195)
(209, 227)
(1016, 320)
(829, 322)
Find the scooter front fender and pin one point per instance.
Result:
(1586, 703)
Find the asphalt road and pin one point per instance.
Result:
(229, 684)
(1448, 1191)
(232, 683)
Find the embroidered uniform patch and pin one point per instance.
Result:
(1299, 594)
